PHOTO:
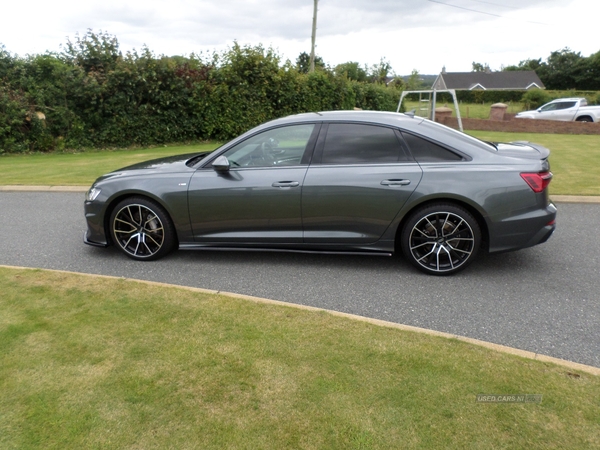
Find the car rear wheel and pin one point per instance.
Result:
(441, 239)
(142, 229)
(584, 119)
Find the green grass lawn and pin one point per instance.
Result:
(87, 362)
(574, 159)
(80, 168)
(575, 162)
(469, 110)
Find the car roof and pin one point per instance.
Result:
(568, 99)
(354, 115)
(375, 117)
(415, 124)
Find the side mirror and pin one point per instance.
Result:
(221, 164)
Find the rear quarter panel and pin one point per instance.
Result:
(509, 211)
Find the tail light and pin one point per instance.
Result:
(537, 181)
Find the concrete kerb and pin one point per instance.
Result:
(43, 188)
(382, 323)
(79, 188)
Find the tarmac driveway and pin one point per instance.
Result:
(544, 299)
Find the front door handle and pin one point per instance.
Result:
(284, 184)
(395, 182)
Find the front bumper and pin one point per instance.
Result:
(95, 234)
(87, 241)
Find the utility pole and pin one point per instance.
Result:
(314, 35)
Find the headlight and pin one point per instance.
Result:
(92, 194)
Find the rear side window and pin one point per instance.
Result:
(427, 151)
(358, 143)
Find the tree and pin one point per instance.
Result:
(587, 77)
(303, 62)
(562, 69)
(478, 67)
(528, 64)
(414, 81)
(379, 72)
(94, 52)
(352, 71)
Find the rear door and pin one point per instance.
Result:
(566, 111)
(360, 178)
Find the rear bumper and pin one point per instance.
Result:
(542, 236)
(523, 230)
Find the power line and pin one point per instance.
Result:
(496, 4)
(466, 9)
(481, 12)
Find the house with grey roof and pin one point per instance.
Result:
(495, 81)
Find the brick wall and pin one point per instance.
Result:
(525, 126)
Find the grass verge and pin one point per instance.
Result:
(96, 363)
(574, 159)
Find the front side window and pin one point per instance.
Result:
(360, 144)
(549, 107)
(282, 146)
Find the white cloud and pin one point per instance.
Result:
(411, 34)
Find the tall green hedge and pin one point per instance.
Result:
(94, 96)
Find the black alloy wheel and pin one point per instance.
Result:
(441, 239)
(142, 229)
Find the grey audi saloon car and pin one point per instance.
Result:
(333, 182)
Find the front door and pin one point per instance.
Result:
(259, 198)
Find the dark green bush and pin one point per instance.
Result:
(535, 98)
(94, 96)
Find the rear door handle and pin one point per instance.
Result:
(284, 184)
(395, 182)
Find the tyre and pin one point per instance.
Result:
(584, 119)
(440, 239)
(142, 229)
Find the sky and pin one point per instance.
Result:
(422, 35)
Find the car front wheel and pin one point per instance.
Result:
(440, 239)
(142, 229)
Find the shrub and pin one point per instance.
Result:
(94, 96)
(535, 98)
(14, 111)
